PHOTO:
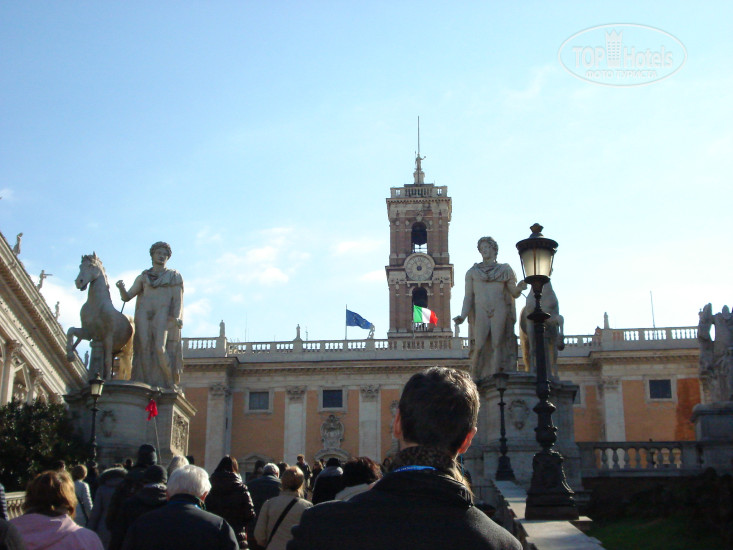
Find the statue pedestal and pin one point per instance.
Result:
(714, 429)
(482, 459)
(122, 424)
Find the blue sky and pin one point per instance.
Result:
(261, 139)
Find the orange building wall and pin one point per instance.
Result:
(260, 433)
(313, 425)
(387, 397)
(350, 444)
(656, 420)
(589, 419)
(199, 398)
(688, 395)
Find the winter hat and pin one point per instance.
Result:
(333, 461)
(146, 455)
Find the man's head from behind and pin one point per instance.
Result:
(189, 480)
(438, 408)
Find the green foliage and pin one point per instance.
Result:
(672, 533)
(32, 437)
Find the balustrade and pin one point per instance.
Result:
(650, 457)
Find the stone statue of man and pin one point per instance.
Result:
(158, 357)
(491, 289)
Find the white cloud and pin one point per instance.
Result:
(272, 276)
(359, 246)
(6, 193)
(207, 237)
(374, 276)
(521, 98)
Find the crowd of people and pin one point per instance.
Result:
(420, 497)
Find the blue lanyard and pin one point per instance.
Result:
(410, 468)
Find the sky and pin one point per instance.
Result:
(261, 139)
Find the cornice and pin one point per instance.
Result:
(42, 328)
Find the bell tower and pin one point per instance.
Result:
(419, 271)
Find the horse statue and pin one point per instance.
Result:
(554, 331)
(101, 323)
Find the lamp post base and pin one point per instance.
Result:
(549, 496)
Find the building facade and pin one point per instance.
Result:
(33, 362)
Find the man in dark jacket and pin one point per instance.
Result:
(422, 503)
(265, 487)
(133, 482)
(182, 524)
(150, 497)
(261, 489)
(328, 482)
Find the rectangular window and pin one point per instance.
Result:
(259, 400)
(332, 399)
(660, 389)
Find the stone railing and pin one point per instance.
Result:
(420, 191)
(640, 458)
(15, 504)
(576, 345)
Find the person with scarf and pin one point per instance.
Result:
(423, 503)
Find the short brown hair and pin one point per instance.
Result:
(50, 493)
(292, 478)
(78, 472)
(439, 407)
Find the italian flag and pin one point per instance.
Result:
(423, 315)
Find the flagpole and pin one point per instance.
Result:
(346, 325)
(155, 424)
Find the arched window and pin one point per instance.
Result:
(420, 299)
(419, 237)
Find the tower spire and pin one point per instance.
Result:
(418, 174)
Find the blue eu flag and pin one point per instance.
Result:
(356, 320)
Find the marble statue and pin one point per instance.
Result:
(42, 277)
(716, 356)
(158, 357)
(101, 322)
(491, 289)
(57, 310)
(554, 331)
(16, 248)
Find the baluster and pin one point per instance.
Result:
(604, 459)
(614, 457)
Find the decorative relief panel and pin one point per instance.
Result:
(332, 432)
(518, 413)
(107, 423)
(179, 433)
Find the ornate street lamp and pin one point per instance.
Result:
(504, 471)
(549, 496)
(96, 385)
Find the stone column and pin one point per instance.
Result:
(217, 442)
(294, 432)
(369, 430)
(613, 409)
(12, 348)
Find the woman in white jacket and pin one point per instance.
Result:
(83, 496)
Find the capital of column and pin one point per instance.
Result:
(295, 393)
(370, 391)
(219, 390)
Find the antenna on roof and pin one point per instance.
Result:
(418, 135)
(418, 174)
